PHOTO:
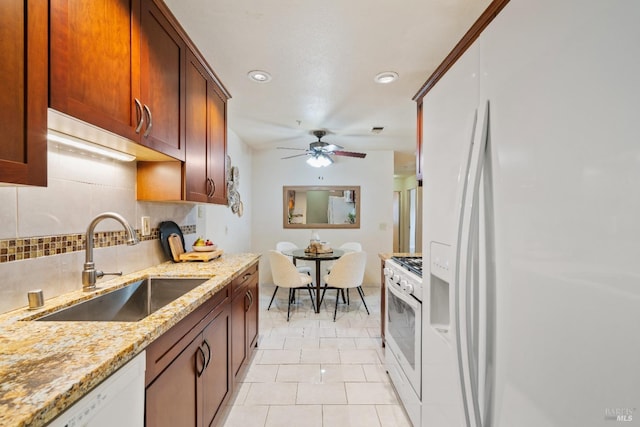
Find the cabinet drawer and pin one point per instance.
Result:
(241, 281)
(168, 346)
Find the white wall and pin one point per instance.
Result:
(404, 184)
(80, 187)
(218, 223)
(374, 175)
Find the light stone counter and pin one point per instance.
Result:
(47, 366)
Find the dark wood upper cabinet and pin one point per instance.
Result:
(217, 146)
(203, 174)
(119, 65)
(162, 66)
(197, 150)
(94, 54)
(23, 92)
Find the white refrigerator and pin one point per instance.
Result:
(531, 146)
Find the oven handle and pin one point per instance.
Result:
(412, 302)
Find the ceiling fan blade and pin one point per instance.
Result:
(289, 148)
(295, 155)
(350, 154)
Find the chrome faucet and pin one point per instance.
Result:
(89, 273)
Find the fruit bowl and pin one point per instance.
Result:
(204, 248)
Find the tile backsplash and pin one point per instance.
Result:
(42, 230)
(35, 247)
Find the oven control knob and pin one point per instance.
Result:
(387, 272)
(395, 278)
(408, 288)
(403, 284)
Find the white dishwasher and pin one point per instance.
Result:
(117, 401)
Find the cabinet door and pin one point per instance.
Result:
(239, 306)
(173, 398)
(162, 66)
(252, 314)
(216, 378)
(196, 162)
(23, 92)
(217, 146)
(93, 54)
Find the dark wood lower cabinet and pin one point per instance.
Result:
(192, 369)
(216, 376)
(172, 399)
(244, 317)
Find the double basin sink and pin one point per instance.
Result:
(131, 303)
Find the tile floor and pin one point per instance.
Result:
(313, 372)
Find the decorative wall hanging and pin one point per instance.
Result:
(233, 185)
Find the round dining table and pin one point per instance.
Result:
(300, 254)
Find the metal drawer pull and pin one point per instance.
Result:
(204, 360)
(208, 352)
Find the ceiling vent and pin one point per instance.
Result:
(376, 129)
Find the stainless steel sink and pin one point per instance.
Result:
(129, 304)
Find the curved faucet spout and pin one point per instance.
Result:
(89, 273)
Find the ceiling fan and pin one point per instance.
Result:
(320, 152)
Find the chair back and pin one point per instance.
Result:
(351, 247)
(285, 274)
(348, 270)
(285, 246)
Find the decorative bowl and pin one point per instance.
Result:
(204, 248)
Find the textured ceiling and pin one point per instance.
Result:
(323, 56)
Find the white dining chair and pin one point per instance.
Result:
(286, 275)
(283, 247)
(347, 273)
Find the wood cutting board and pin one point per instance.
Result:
(200, 256)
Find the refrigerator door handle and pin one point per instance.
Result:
(466, 304)
(458, 307)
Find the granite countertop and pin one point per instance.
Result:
(47, 366)
(386, 255)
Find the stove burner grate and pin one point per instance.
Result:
(411, 263)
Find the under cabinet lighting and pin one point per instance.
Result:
(88, 147)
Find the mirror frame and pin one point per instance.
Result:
(285, 205)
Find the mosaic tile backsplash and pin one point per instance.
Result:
(41, 246)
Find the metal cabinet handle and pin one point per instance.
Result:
(209, 185)
(250, 298)
(204, 361)
(213, 188)
(208, 353)
(150, 125)
(139, 115)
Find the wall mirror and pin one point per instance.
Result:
(335, 206)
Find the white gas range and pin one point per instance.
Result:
(403, 330)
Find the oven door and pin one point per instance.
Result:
(403, 333)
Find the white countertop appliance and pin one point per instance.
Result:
(531, 222)
(403, 330)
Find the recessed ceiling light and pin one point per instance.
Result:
(386, 77)
(259, 76)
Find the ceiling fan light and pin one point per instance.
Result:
(319, 161)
